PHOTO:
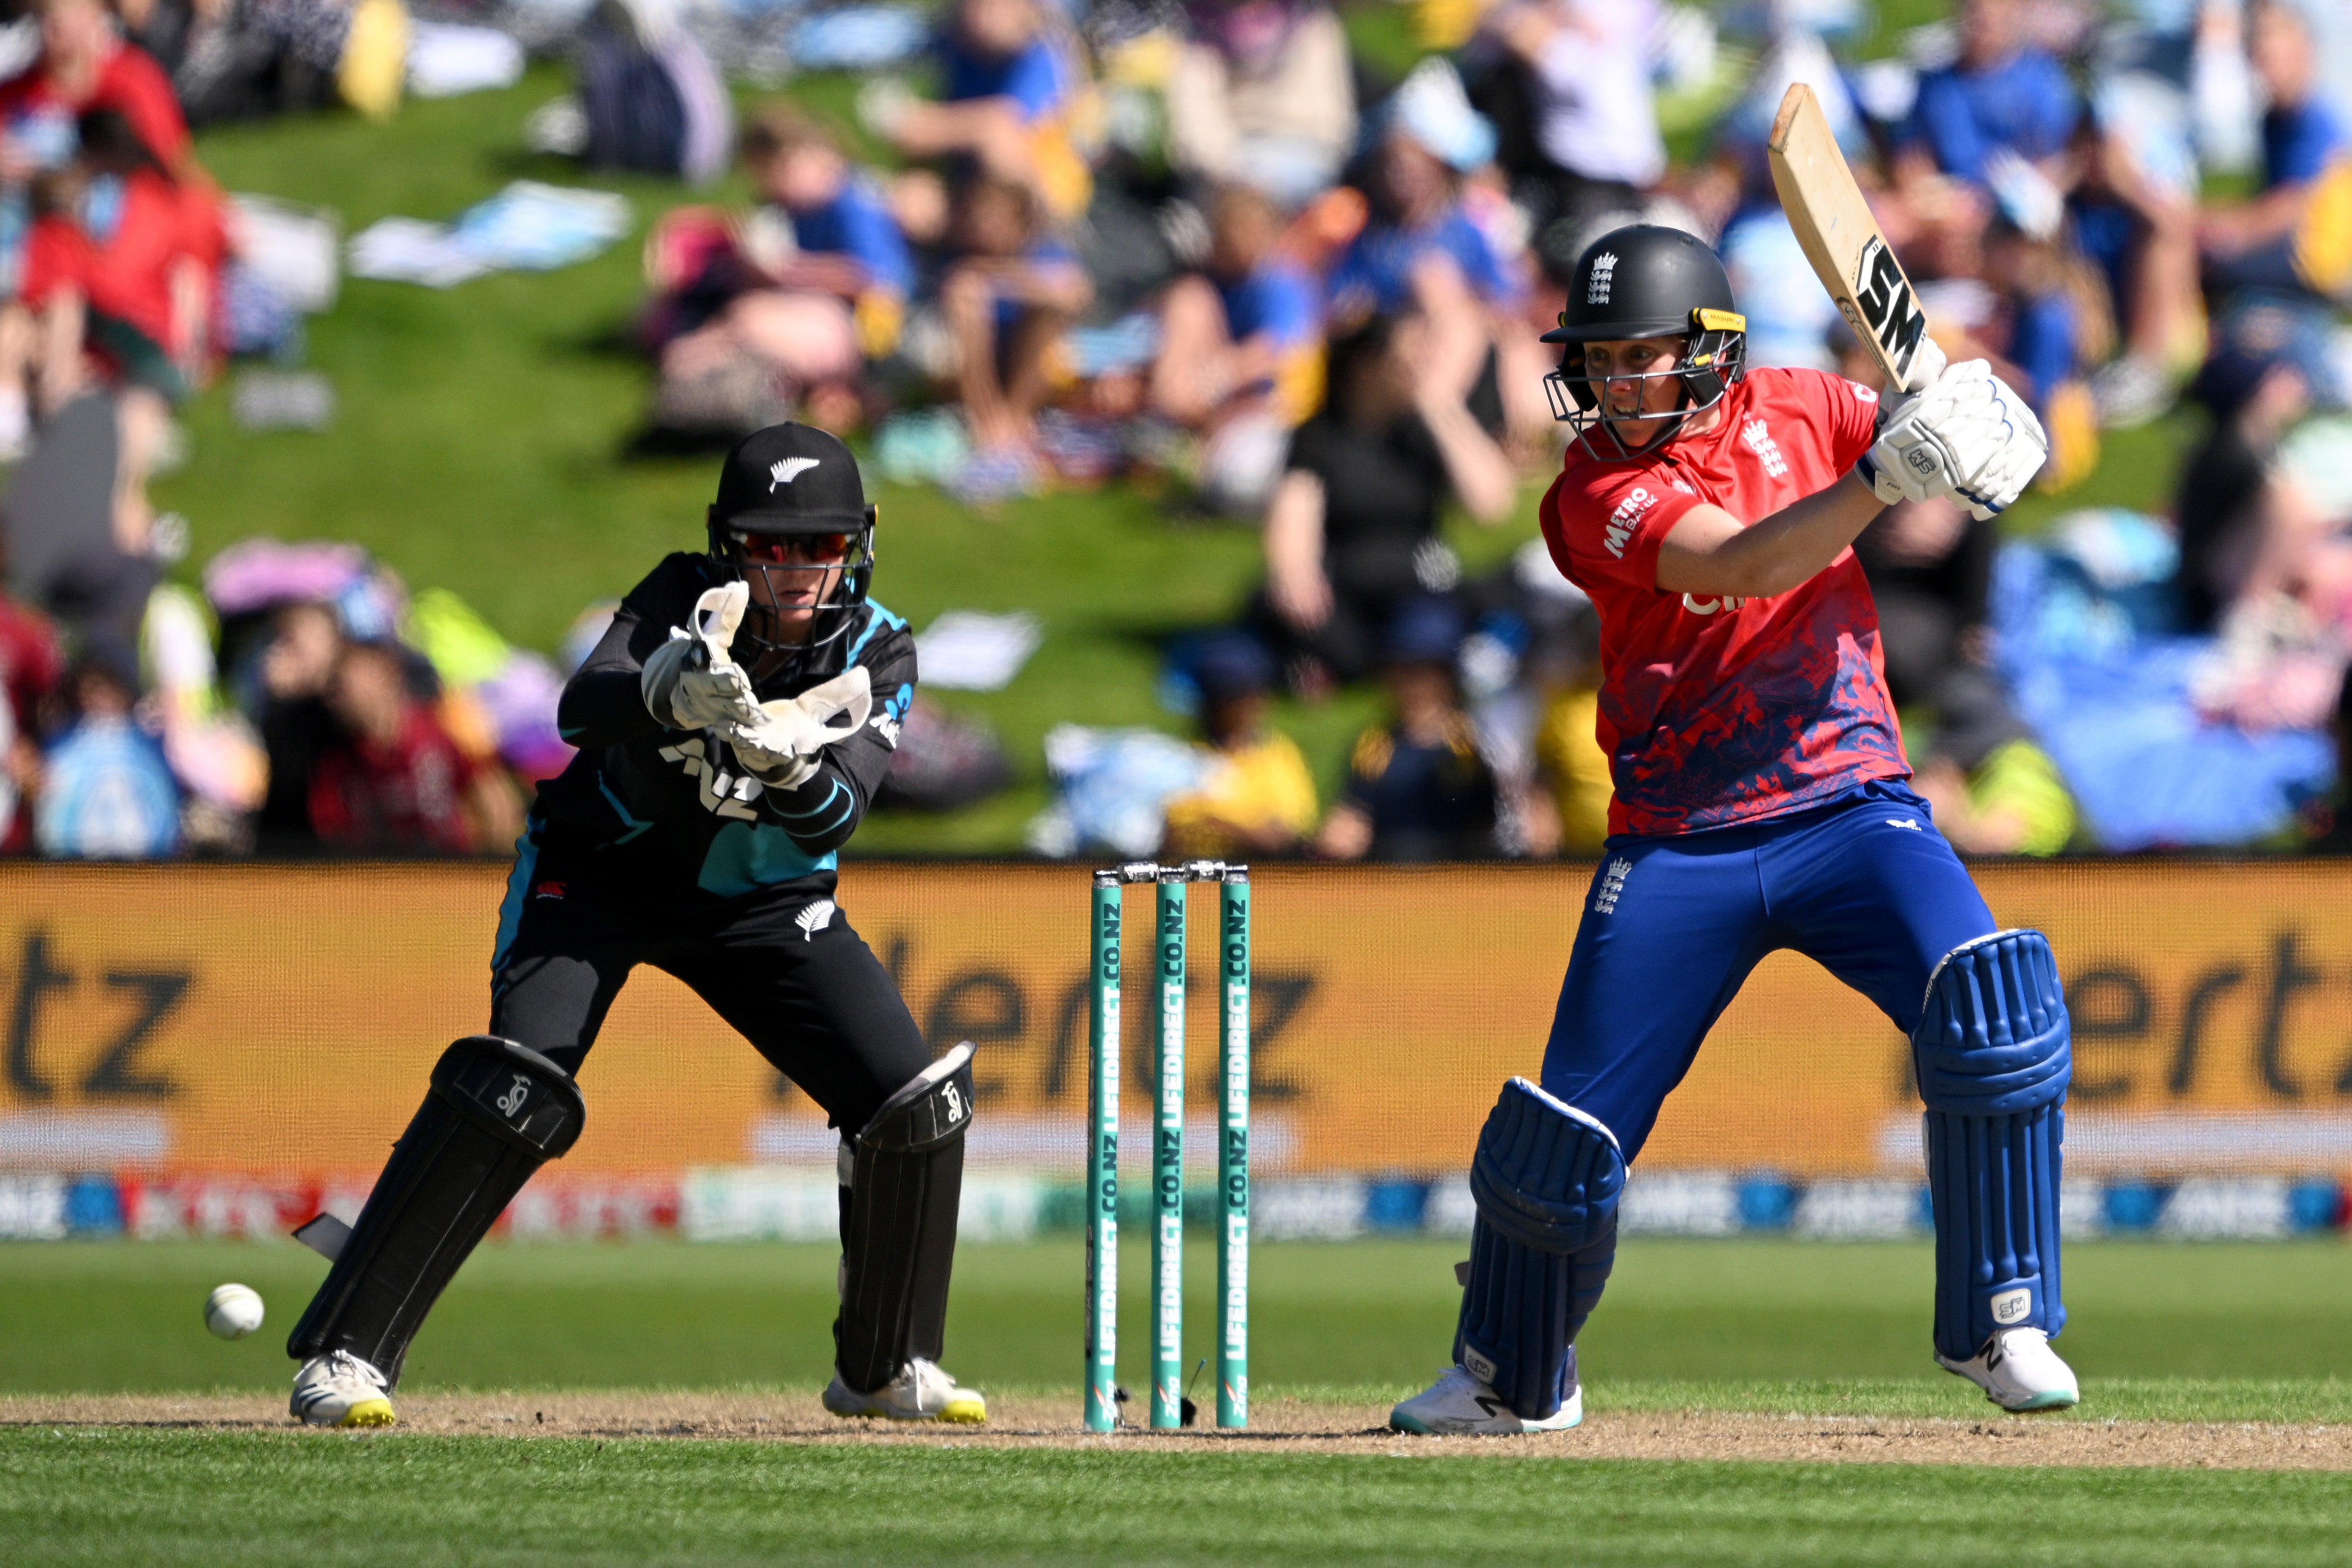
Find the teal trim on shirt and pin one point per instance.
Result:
(747, 856)
(635, 824)
(876, 621)
(517, 889)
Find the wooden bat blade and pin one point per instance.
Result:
(1840, 238)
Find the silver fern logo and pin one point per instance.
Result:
(815, 919)
(785, 470)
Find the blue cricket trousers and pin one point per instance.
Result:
(1863, 885)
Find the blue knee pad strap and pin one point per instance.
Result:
(1994, 1058)
(1546, 1179)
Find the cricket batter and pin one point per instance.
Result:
(732, 726)
(1761, 804)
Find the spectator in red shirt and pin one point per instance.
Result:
(396, 782)
(85, 65)
(119, 276)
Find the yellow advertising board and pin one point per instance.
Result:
(284, 1017)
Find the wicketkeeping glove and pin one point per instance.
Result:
(691, 682)
(781, 748)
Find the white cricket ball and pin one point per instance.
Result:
(233, 1311)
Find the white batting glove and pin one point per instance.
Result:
(1928, 363)
(781, 748)
(1993, 488)
(1938, 437)
(691, 682)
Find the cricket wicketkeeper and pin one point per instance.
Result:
(732, 726)
(1761, 803)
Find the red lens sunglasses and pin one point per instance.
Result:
(795, 549)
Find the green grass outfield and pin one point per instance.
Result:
(2212, 1332)
(80, 1497)
(2252, 1332)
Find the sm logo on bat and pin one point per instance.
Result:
(1883, 298)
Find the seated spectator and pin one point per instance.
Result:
(2248, 532)
(2295, 237)
(2002, 94)
(1262, 95)
(1994, 790)
(1570, 97)
(1008, 294)
(2138, 231)
(119, 276)
(785, 303)
(2003, 104)
(1418, 238)
(1566, 812)
(84, 65)
(1352, 533)
(1417, 788)
(394, 780)
(2051, 326)
(844, 234)
(1241, 350)
(289, 707)
(106, 791)
(1259, 799)
(651, 99)
(1435, 244)
(1005, 109)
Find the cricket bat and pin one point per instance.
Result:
(1842, 239)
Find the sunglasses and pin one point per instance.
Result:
(807, 549)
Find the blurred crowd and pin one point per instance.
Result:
(1210, 245)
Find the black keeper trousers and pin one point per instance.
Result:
(789, 974)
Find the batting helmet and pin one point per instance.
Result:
(1646, 281)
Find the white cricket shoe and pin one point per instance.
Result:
(2019, 1371)
(921, 1392)
(339, 1389)
(1459, 1405)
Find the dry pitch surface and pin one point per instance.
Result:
(1279, 1425)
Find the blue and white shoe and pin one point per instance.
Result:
(339, 1389)
(1460, 1406)
(2019, 1371)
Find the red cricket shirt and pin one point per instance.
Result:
(1715, 711)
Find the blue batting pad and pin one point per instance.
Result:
(1546, 1179)
(1994, 1059)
